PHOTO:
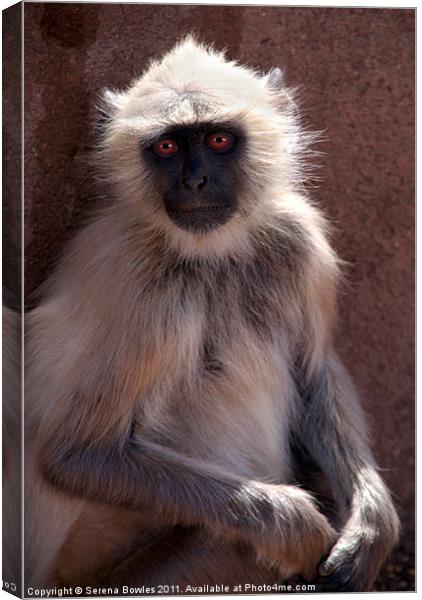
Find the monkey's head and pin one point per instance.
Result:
(201, 146)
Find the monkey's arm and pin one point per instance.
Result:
(333, 430)
(280, 521)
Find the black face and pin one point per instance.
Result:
(197, 171)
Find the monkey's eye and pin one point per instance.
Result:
(219, 141)
(165, 148)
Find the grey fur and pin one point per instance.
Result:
(333, 429)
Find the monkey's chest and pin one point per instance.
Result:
(244, 434)
(224, 399)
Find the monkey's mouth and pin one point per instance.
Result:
(200, 218)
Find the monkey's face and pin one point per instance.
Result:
(201, 149)
(197, 174)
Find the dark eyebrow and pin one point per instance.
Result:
(178, 130)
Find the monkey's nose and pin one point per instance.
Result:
(194, 183)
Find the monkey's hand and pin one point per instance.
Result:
(363, 546)
(300, 537)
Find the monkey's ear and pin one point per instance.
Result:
(275, 79)
(110, 101)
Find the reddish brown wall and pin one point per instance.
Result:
(356, 67)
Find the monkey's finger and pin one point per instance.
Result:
(327, 567)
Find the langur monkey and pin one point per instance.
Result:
(182, 343)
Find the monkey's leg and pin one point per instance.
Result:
(112, 547)
(189, 556)
(279, 521)
(115, 547)
(100, 539)
(333, 431)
